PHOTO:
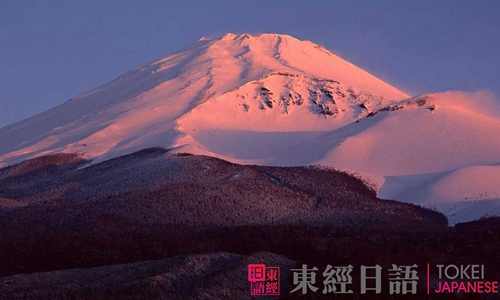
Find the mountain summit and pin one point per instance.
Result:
(266, 82)
(271, 99)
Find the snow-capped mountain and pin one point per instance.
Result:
(272, 99)
(266, 83)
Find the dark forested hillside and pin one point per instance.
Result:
(63, 212)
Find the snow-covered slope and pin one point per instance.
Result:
(141, 108)
(272, 99)
(439, 150)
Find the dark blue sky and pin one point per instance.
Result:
(51, 50)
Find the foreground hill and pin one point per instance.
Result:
(152, 187)
(202, 276)
(155, 225)
(58, 198)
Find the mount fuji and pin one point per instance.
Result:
(271, 99)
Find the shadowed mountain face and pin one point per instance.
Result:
(154, 225)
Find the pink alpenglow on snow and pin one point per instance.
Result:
(272, 99)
